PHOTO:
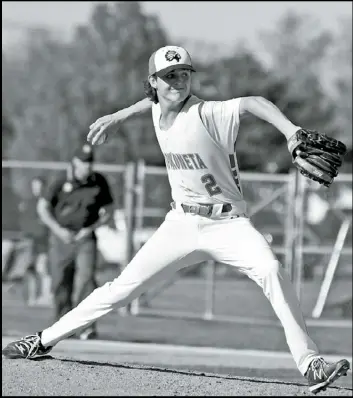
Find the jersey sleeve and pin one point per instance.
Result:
(221, 119)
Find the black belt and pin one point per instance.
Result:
(202, 210)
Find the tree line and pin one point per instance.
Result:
(54, 89)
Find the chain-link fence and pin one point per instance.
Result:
(309, 228)
(300, 220)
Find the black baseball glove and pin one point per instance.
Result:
(316, 155)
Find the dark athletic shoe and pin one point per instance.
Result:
(321, 373)
(28, 347)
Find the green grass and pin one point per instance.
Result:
(237, 297)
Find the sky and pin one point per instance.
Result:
(219, 22)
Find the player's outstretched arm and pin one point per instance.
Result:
(316, 155)
(105, 125)
(266, 110)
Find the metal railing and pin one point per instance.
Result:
(141, 200)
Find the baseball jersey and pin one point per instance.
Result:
(76, 204)
(199, 152)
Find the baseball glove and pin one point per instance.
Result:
(316, 155)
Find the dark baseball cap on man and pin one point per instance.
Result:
(84, 153)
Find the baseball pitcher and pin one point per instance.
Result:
(208, 219)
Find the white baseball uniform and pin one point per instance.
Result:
(202, 169)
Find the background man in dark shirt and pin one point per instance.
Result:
(73, 207)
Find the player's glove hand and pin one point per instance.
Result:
(101, 128)
(316, 155)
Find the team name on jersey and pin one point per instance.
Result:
(184, 161)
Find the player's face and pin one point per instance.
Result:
(175, 85)
(81, 169)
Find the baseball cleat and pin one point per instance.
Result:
(27, 347)
(321, 373)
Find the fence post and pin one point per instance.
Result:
(210, 289)
(299, 232)
(289, 224)
(130, 198)
(139, 192)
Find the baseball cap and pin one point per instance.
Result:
(168, 58)
(84, 153)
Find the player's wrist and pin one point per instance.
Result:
(117, 116)
(292, 140)
(291, 131)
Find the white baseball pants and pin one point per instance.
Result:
(186, 239)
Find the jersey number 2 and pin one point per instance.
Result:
(210, 184)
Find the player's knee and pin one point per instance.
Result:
(273, 273)
(264, 271)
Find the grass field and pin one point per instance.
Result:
(241, 298)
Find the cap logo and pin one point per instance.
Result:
(170, 55)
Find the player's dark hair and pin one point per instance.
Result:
(150, 92)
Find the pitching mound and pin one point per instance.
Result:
(60, 376)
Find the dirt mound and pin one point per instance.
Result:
(62, 376)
